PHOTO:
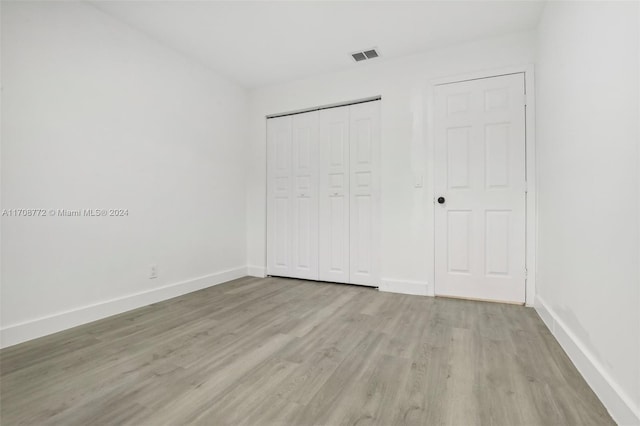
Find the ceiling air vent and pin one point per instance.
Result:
(370, 54)
(363, 56)
(359, 56)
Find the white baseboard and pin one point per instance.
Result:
(256, 271)
(620, 406)
(21, 332)
(420, 288)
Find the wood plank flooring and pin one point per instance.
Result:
(286, 352)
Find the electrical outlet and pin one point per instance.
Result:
(154, 272)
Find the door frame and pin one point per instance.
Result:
(531, 217)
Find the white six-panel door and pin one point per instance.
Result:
(480, 178)
(334, 194)
(304, 247)
(279, 205)
(364, 162)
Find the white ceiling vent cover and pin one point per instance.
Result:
(359, 57)
(364, 55)
(370, 54)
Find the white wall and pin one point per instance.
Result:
(98, 115)
(406, 212)
(588, 184)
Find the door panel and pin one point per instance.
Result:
(333, 156)
(458, 241)
(497, 242)
(480, 171)
(338, 228)
(496, 139)
(305, 196)
(458, 157)
(279, 201)
(364, 193)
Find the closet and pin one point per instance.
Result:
(323, 192)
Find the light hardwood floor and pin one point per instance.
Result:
(287, 352)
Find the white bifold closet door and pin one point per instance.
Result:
(304, 246)
(364, 170)
(334, 195)
(292, 202)
(279, 205)
(323, 194)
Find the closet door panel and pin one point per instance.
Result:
(304, 218)
(279, 196)
(334, 195)
(364, 192)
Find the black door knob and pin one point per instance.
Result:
(440, 200)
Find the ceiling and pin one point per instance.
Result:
(265, 42)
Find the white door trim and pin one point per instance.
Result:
(531, 195)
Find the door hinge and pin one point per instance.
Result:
(524, 99)
(526, 187)
(526, 272)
